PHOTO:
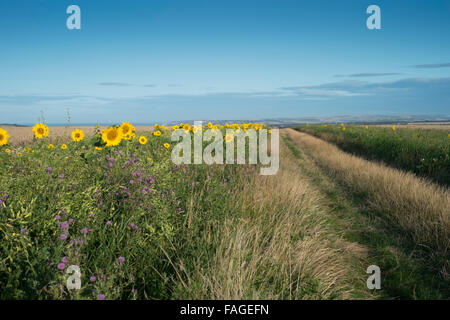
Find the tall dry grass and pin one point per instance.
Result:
(280, 246)
(420, 208)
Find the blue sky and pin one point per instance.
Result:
(149, 61)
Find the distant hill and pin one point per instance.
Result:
(289, 122)
(12, 125)
(372, 119)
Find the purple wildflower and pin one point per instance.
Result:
(63, 237)
(61, 266)
(101, 297)
(84, 231)
(92, 279)
(65, 259)
(121, 259)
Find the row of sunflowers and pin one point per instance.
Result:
(114, 135)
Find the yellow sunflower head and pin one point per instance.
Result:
(50, 146)
(77, 135)
(7, 150)
(112, 136)
(4, 136)
(64, 146)
(98, 148)
(142, 140)
(127, 130)
(40, 130)
(166, 145)
(187, 127)
(175, 128)
(229, 137)
(157, 133)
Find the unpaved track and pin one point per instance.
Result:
(412, 206)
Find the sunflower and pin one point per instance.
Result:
(393, 128)
(50, 146)
(157, 133)
(98, 148)
(229, 137)
(366, 127)
(40, 130)
(166, 145)
(175, 128)
(149, 159)
(210, 125)
(142, 140)
(4, 136)
(77, 135)
(127, 130)
(112, 136)
(64, 146)
(187, 127)
(7, 150)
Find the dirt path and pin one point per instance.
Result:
(375, 224)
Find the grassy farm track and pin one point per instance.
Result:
(402, 220)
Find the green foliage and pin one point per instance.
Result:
(90, 207)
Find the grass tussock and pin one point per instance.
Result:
(281, 246)
(420, 209)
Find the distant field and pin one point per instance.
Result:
(21, 135)
(421, 125)
(424, 152)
